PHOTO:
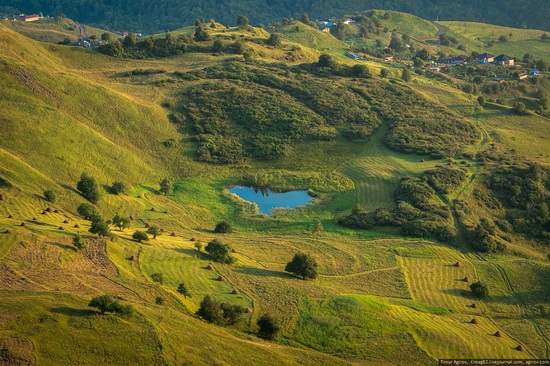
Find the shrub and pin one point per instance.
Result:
(107, 303)
(165, 186)
(87, 211)
(140, 236)
(182, 289)
(50, 196)
(159, 300)
(157, 277)
(100, 227)
(303, 265)
(479, 290)
(268, 327)
(210, 310)
(118, 188)
(219, 252)
(223, 227)
(78, 242)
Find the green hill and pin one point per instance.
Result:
(390, 294)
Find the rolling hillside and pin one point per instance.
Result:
(381, 297)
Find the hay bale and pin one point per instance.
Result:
(65, 221)
(76, 226)
(49, 209)
(138, 196)
(248, 311)
(161, 230)
(457, 264)
(473, 306)
(153, 209)
(132, 217)
(61, 228)
(56, 211)
(192, 239)
(235, 292)
(132, 258)
(497, 334)
(233, 250)
(173, 234)
(210, 267)
(2, 197)
(519, 348)
(34, 219)
(473, 321)
(23, 224)
(44, 212)
(147, 225)
(221, 278)
(10, 217)
(8, 231)
(466, 279)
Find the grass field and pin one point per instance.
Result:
(379, 298)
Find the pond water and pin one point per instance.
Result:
(267, 200)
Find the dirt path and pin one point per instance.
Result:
(83, 34)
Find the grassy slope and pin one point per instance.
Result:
(360, 272)
(477, 35)
(53, 30)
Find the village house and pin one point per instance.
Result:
(504, 60)
(349, 21)
(29, 18)
(455, 61)
(485, 58)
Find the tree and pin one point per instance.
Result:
(239, 47)
(87, 210)
(130, 40)
(165, 186)
(198, 246)
(100, 227)
(268, 327)
(481, 100)
(140, 236)
(520, 108)
(105, 36)
(217, 46)
(422, 54)
(232, 313)
(302, 265)
(543, 310)
(201, 34)
(327, 61)
(480, 290)
(182, 289)
(93, 37)
(154, 230)
(305, 19)
(210, 310)
(274, 40)
(219, 252)
(103, 303)
(121, 222)
(384, 73)
(50, 196)
(157, 277)
(361, 71)
(78, 242)
(542, 65)
(223, 227)
(406, 75)
(88, 188)
(418, 62)
(242, 21)
(118, 188)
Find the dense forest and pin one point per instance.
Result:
(153, 16)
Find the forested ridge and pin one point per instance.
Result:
(152, 16)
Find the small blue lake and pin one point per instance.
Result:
(267, 200)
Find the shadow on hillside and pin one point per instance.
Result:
(191, 252)
(66, 186)
(263, 272)
(73, 312)
(203, 230)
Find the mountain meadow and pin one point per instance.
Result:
(428, 167)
